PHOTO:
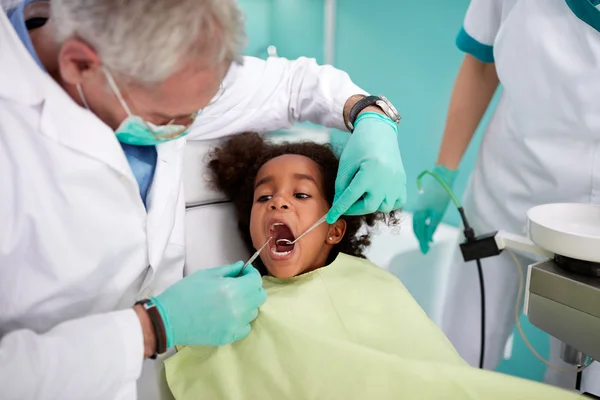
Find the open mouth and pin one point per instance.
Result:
(281, 248)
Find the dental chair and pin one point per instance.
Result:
(212, 237)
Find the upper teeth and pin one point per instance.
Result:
(277, 224)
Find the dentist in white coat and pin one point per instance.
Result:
(97, 100)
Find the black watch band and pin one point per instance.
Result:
(380, 102)
(358, 107)
(160, 332)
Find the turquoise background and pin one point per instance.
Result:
(404, 49)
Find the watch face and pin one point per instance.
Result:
(388, 111)
(392, 108)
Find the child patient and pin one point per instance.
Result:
(334, 326)
(280, 191)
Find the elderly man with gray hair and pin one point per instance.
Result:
(97, 100)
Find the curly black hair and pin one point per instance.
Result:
(234, 167)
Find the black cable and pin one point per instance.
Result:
(482, 290)
(468, 232)
(578, 382)
(470, 236)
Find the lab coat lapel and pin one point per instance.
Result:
(162, 198)
(66, 122)
(62, 119)
(19, 71)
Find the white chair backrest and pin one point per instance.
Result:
(211, 235)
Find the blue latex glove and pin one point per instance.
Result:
(371, 175)
(211, 307)
(431, 206)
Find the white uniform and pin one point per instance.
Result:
(77, 247)
(541, 146)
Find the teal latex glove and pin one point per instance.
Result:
(371, 175)
(431, 206)
(211, 307)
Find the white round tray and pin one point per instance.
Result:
(567, 229)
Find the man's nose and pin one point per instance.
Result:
(279, 203)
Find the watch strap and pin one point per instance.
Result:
(157, 324)
(357, 108)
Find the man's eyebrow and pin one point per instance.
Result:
(263, 181)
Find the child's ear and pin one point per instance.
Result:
(336, 232)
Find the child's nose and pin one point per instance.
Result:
(279, 202)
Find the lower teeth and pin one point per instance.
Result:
(280, 253)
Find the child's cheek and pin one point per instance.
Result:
(255, 225)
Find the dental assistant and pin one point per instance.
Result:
(541, 146)
(97, 100)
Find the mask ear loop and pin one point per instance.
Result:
(116, 91)
(115, 88)
(82, 97)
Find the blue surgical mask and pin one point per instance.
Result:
(134, 130)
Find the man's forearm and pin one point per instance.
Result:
(148, 331)
(474, 88)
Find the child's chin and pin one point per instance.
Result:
(283, 271)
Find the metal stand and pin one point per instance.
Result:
(571, 355)
(565, 305)
(584, 268)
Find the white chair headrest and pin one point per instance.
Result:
(196, 177)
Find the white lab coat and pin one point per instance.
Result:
(77, 247)
(541, 146)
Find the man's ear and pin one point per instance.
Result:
(77, 61)
(336, 232)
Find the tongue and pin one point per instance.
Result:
(283, 248)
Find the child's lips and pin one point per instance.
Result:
(280, 230)
(279, 255)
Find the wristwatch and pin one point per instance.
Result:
(157, 324)
(379, 101)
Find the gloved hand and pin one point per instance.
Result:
(211, 307)
(371, 175)
(432, 205)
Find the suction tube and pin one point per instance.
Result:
(469, 236)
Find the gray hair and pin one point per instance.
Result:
(147, 40)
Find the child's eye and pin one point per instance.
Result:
(301, 196)
(264, 198)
